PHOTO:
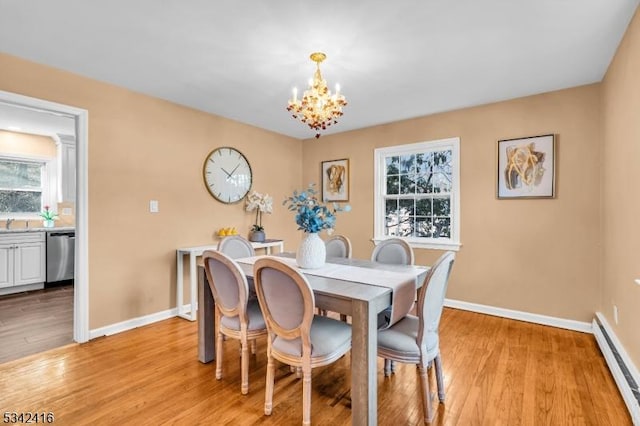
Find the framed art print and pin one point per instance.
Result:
(335, 180)
(526, 167)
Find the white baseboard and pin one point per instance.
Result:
(568, 324)
(584, 327)
(136, 322)
(21, 288)
(633, 405)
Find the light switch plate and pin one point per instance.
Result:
(153, 206)
(66, 211)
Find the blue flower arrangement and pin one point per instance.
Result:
(312, 215)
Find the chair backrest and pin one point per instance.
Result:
(338, 246)
(236, 247)
(394, 251)
(431, 295)
(228, 284)
(286, 300)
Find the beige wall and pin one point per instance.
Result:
(537, 256)
(143, 148)
(26, 144)
(621, 184)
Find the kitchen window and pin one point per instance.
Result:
(417, 194)
(23, 186)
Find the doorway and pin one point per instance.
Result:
(81, 284)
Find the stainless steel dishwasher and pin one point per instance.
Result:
(60, 255)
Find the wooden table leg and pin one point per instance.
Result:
(206, 320)
(364, 385)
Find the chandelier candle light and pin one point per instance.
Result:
(318, 108)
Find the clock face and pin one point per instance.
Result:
(227, 175)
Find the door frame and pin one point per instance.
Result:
(81, 279)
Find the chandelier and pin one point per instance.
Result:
(318, 108)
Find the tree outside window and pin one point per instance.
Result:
(21, 186)
(416, 192)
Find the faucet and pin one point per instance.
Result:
(8, 224)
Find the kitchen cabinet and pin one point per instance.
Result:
(67, 168)
(22, 259)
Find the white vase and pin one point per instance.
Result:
(48, 223)
(312, 253)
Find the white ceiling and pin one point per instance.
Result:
(27, 120)
(393, 59)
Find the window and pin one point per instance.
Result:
(417, 193)
(22, 186)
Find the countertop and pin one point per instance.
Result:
(37, 229)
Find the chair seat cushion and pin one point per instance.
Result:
(328, 336)
(400, 340)
(256, 320)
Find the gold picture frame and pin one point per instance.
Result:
(335, 180)
(527, 167)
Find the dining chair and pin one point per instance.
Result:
(415, 339)
(338, 246)
(236, 316)
(394, 251)
(297, 337)
(236, 247)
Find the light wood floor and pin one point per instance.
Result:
(497, 372)
(35, 321)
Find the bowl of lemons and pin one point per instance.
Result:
(225, 232)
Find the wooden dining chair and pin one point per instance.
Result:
(415, 339)
(297, 337)
(395, 251)
(236, 247)
(338, 246)
(235, 316)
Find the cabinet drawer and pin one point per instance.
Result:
(21, 237)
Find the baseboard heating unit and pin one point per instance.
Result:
(624, 372)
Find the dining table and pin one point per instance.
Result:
(351, 294)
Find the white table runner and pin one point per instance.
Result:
(402, 284)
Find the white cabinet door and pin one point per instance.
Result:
(67, 175)
(6, 265)
(22, 259)
(30, 263)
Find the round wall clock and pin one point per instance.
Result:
(227, 174)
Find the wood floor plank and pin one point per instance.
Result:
(35, 321)
(497, 372)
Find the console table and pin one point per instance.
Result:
(194, 253)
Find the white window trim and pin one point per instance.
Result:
(379, 167)
(49, 191)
